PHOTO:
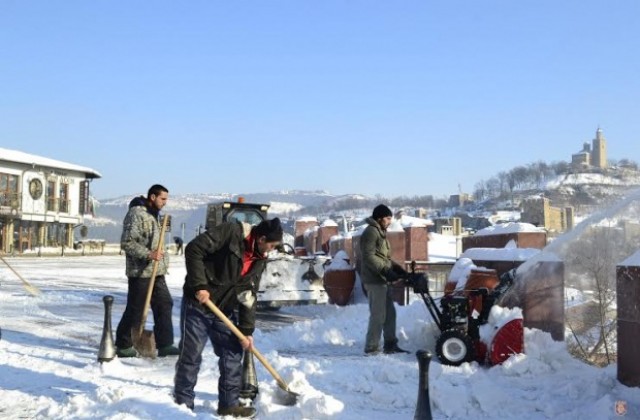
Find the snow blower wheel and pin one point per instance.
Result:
(454, 347)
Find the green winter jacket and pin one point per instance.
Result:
(214, 262)
(141, 235)
(375, 253)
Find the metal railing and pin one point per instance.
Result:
(438, 273)
(63, 206)
(58, 204)
(52, 204)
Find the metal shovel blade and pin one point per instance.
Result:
(285, 397)
(144, 342)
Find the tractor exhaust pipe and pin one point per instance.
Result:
(423, 406)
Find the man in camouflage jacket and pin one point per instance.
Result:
(140, 239)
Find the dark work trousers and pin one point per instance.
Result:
(196, 326)
(161, 306)
(382, 317)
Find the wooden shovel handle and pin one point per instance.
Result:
(154, 272)
(281, 383)
(30, 288)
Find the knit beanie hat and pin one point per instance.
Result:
(381, 211)
(271, 229)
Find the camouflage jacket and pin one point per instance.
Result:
(141, 235)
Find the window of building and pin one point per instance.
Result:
(52, 201)
(64, 197)
(9, 194)
(84, 198)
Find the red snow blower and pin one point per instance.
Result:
(460, 315)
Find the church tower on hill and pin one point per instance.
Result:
(599, 150)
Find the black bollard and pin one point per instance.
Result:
(423, 406)
(107, 348)
(249, 378)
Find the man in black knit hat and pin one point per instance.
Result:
(224, 265)
(377, 273)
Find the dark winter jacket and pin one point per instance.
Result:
(375, 253)
(141, 235)
(214, 261)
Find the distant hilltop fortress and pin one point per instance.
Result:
(594, 154)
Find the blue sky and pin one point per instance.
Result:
(374, 97)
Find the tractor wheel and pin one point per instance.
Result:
(454, 347)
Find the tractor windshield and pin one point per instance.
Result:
(246, 215)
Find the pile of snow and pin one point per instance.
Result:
(49, 368)
(409, 221)
(340, 261)
(510, 227)
(500, 254)
(498, 317)
(395, 226)
(460, 272)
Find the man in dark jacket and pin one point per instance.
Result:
(140, 239)
(179, 242)
(224, 265)
(377, 272)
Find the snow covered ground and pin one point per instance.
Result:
(49, 370)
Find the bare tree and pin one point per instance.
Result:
(591, 262)
(480, 191)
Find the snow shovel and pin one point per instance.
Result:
(143, 340)
(289, 397)
(34, 291)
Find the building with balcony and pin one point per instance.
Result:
(42, 200)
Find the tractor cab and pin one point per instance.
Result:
(240, 211)
(287, 279)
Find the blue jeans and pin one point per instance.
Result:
(196, 325)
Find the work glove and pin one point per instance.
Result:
(419, 282)
(246, 298)
(400, 272)
(391, 276)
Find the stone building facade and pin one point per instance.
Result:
(539, 212)
(41, 201)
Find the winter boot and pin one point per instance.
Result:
(169, 350)
(371, 351)
(391, 348)
(238, 412)
(126, 352)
